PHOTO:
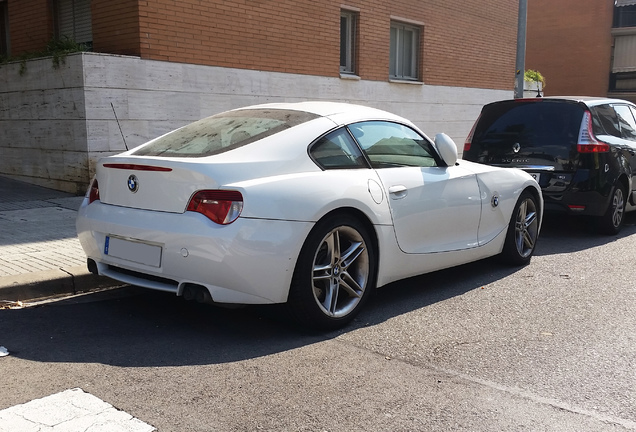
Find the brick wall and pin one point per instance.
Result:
(30, 25)
(570, 43)
(471, 43)
(296, 36)
(116, 26)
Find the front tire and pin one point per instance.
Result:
(523, 231)
(335, 274)
(612, 221)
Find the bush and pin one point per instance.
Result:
(56, 48)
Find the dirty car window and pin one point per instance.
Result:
(223, 132)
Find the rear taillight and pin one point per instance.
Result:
(220, 206)
(588, 143)
(469, 138)
(93, 191)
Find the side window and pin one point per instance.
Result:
(626, 120)
(633, 111)
(389, 144)
(337, 150)
(608, 121)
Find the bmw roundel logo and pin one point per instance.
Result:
(494, 201)
(133, 183)
(516, 147)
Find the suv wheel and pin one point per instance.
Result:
(612, 221)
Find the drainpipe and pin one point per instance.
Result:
(520, 66)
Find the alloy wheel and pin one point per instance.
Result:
(526, 227)
(340, 271)
(618, 207)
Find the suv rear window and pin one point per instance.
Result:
(223, 132)
(537, 124)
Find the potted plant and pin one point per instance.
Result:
(533, 83)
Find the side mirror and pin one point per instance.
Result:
(447, 148)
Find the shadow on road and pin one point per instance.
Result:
(565, 234)
(142, 328)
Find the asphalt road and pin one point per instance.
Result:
(483, 347)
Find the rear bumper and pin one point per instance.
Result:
(589, 203)
(250, 261)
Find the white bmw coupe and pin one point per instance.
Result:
(313, 204)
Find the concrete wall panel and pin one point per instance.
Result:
(56, 123)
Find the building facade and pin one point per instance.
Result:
(584, 47)
(156, 65)
(622, 82)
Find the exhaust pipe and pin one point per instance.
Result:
(198, 293)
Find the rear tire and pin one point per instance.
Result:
(612, 221)
(523, 231)
(335, 274)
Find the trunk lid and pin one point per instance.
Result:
(150, 184)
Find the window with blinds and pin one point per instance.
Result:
(4, 29)
(404, 49)
(74, 21)
(624, 16)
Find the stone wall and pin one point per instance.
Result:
(43, 123)
(56, 123)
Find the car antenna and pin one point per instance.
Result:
(118, 125)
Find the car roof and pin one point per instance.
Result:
(326, 109)
(587, 100)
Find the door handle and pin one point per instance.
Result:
(398, 191)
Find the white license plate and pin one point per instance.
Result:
(536, 176)
(135, 251)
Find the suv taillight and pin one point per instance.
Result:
(220, 206)
(469, 138)
(588, 143)
(93, 191)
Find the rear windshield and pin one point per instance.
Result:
(223, 132)
(534, 124)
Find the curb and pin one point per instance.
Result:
(52, 283)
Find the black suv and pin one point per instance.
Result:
(581, 151)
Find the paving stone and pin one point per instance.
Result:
(40, 254)
(69, 411)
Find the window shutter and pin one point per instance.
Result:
(624, 54)
(74, 20)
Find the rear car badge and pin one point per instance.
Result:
(516, 147)
(133, 183)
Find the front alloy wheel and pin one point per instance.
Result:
(334, 275)
(523, 231)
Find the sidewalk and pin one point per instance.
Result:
(40, 255)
